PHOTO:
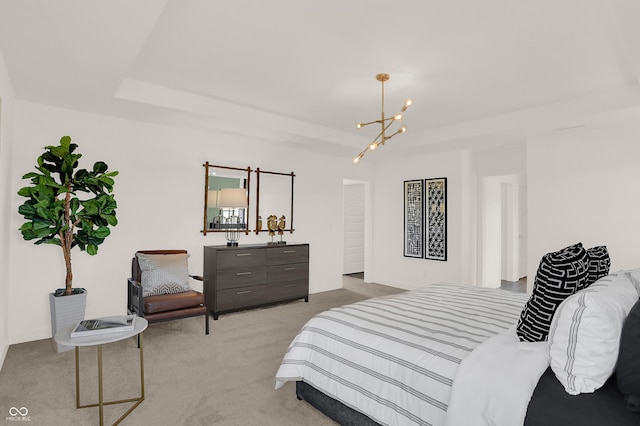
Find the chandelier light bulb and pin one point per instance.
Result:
(398, 117)
(403, 129)
(408, 102)
(373, 146)
(359, 125)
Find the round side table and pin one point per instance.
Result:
(64, 337)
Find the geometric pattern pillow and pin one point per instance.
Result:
(599, 263)
(163, 273)
(559, 275)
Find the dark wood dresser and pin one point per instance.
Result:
(249, 276)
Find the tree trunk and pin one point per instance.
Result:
(66, 240)
(68, 281)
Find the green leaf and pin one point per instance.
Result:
(75, 205)
(111, 220)
(25, 192)
(102, 232)
(106, 180)
(30, 175)
(55, 241)
(92, 249)
(100, 167)
(38, 224)
(60, 151)
(27, 210)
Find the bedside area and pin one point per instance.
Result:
(251, 276)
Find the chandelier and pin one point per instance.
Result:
(384, 122)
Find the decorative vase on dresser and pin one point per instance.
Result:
(250, 276)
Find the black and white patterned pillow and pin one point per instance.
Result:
(599, 263)
(559, 275)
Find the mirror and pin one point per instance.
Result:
(226, 199)
(274, 197)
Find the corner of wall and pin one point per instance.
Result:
(6, 130)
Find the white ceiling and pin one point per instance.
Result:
(481, 73)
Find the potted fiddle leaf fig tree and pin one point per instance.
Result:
(68, 207)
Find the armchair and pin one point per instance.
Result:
(158, 289)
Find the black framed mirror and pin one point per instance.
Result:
(274, 198)
(226, 199)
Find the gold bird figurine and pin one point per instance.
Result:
(272, 224)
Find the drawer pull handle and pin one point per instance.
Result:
(242, 273)
(243, 292)
(289, 251)
(243, 254)
(289, 269)
(288, 285)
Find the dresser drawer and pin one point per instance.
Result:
(291, 272)
(241, 258)
(287, 254)
(240, 297)
(287, 290)
(241, 277)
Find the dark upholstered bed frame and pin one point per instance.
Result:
(335, 410)
(549, 406)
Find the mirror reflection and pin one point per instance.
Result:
(226, 199)
(274, 199)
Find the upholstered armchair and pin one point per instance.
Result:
(159, 289)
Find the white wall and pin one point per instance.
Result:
(6, 125)
(160, 195)
(583, 186)
(390, 267)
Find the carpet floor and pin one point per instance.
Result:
(225, 378)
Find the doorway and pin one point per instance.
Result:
(354, 228)
(502, 228)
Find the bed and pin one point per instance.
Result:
(446, 354)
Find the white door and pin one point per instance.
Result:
(353, 228)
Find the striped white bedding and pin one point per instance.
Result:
(394, 358)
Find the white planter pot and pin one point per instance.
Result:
(66, 311)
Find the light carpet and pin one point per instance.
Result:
(225, 378)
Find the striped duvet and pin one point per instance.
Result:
(394, 358)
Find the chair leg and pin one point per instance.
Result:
(206, 322)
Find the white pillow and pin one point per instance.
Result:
(584, 337)
(163, 273)
(634, 274)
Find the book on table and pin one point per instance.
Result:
(106, 325)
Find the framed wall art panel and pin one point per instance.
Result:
(414, 218)
(436, 218)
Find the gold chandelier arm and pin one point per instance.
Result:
(361, 125)
(384, 129)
